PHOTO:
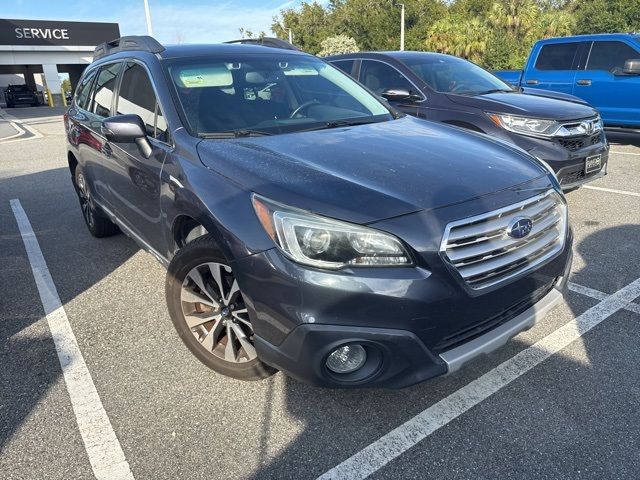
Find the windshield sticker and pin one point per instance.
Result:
(214, 76)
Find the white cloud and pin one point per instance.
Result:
(199, 23)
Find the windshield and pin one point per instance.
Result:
(454, 75)
(269, 94)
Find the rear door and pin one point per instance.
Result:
(94, 148)
(135, 188)
(554, 67)
(603, 84)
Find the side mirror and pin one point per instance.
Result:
(398, 95)
(127, 129)
(632, 67)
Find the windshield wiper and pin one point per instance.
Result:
(339, 123)
(235, 134)
(497, 90)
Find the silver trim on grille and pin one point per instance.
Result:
(484, 255)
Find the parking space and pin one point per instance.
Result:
(559, 401)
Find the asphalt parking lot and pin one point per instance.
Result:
(559, 401)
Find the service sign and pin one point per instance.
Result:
(45, 32)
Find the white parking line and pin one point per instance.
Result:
(598, 295)
(624, 153)
(611, 190)
(100, 441)
(390, 446)
(21, 127)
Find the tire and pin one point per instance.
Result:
(207, 309)
(97, 223)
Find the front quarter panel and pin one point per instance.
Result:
(220, 205)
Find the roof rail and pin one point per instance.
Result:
(142, 43)
(266, 42)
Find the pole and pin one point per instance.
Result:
(147, 14)
(290, 37)
(401, 26)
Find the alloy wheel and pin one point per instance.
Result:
(83, 194)
(215, 312)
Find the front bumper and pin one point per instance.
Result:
(400, 360)
(413, 326)
(569, 164)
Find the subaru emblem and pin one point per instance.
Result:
(519, 227)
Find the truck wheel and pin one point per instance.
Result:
(97, 223)
(209, 312)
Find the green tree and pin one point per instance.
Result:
(606, 16)
(66, 85)
(309, 24)
(337, 45)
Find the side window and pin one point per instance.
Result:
(345, 65)
(105, 85)
(162, 131)
(83, 91)
(137, 96)
(379, 77)
(559, 56)
(610, 55)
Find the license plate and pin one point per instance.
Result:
(593, 163)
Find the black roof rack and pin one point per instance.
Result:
(266, 42)
(142, 43)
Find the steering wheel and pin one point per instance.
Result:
(302, 107)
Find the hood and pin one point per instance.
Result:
(539, 92)
(371, 172)
(526, 105)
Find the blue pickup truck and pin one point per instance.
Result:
(603, 70)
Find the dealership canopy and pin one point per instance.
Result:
(29, 47)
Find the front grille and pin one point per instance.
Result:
(577, 143)
(483, 253)
(572, 177)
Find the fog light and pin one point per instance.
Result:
(347, 359)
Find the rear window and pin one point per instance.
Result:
(558, 56)
(19, 88)
(345, 65)
(83, 90)
(105, 85)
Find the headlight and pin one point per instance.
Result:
(525, 126)
(325, 243)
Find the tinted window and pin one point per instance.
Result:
(379, 77)
(345, 65)
(137, 96)
(83, 90)
(270, 93)
(610, 55)
(103, 93)
(557, 56)
(161, 126)
(447, 74)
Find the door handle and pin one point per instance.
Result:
(532, 82)
(584, 82)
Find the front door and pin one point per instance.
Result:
(604, 85)
(135, 190)
(379, 77)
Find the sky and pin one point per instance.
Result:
(178, 21)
